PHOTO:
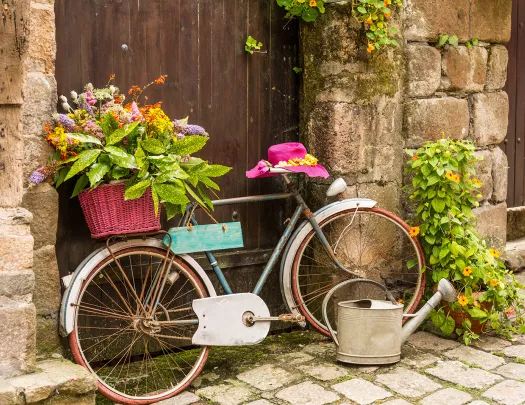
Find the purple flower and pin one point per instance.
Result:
(85, 106)
(37, 176)
(135, 112)
(90, 98)
(181, 136)
(66, 122)
(193, 130)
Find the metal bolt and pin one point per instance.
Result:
(519, 140)
(521, 25)
(235, 215)
(124, 48)
(506, 140)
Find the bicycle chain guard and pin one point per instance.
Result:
(222, 320)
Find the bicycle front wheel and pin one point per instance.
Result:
(118, 336)
(372, 242)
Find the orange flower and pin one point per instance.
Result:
(369, 21)
(400, 301)
(414, 231)
(462, 300)
(494, 283)
(494, 253)
(161, 79)
(313, 3)
(370, 48)
(510, 311)
(467, 271)
(387, 15)
(414, 157)
(387, 3)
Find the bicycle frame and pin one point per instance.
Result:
(301, 208)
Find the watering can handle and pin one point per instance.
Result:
(338, 286)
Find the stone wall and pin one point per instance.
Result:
(360, 111)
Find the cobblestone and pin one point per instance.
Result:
(515, 351)
(512, 370)
(448, 396)
(408, 383)
(491, 344)
(461, 374)
(226, 394)
(481, 359)
(323, 372)
(361, 391)
(307, 393)
(507, 392)
(267, 377)
(428, 341)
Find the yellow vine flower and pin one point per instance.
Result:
(313, 3)
(494, 253)
(467, 271)
(494, 283)
(370, 48)
(414, 231)
(449, 175)
(462, 300)
(457, 178)
(476, 182)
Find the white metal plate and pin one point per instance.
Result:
(221, 320)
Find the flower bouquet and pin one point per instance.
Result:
(128, 159)
(445, 189)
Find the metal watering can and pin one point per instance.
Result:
(372, 331)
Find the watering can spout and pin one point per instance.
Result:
(445, 291)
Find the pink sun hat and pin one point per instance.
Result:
(283, 152)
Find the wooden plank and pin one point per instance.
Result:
(205, 238)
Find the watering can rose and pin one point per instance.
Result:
(106, 138)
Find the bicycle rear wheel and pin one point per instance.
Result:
(370, 241)
(134, 360)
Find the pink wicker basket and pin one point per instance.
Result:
(107, 213)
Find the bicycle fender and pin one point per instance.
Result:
(71, 295)
(300, 233)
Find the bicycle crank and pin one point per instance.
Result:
(249, 318)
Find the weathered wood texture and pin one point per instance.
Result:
(514, 145)
(246, 102)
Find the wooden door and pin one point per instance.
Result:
(514, 144)
(246, 102)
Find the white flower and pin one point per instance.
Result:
(63, 99)
(66, 107)
(89, 86)
(112, 89)
(74, 95)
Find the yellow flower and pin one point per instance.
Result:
(449, 175)
(369, 21)
(462, 300)
(370, 48)
(477, 183)
(301, 1)
(313, 3)
(494, 253)
(310, 160)
(414, 231)
(467, 271)
(494, 283)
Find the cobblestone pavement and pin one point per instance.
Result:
(299, 368)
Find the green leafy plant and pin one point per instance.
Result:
(375, 15)
(105, 139)
(252, 45)
(297, 70)
(471, 43)
(445, 39)
(308, 10)
(445, 190)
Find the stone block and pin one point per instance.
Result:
(464, 69)
(507, 393)
(490, 113)
(267, 377)
(428, 341)
(387, 195)
(497, 67)
(42, 45)
(16, 286)
(11, 155)
(448, 396)
(428, 119)
(492, 344)
(226, 394)
(478, 358)
(515, 223)
(484, 173)
(307, 393)
(461, 374)
(11, 70)
(425, 20)
(323, 372)
(361, 391)
(517, 351)
(187, 398)
(16, 252)
(341, 138)
(515, 371)
(42, 202)
(500, 175)
(89, 399)
(17, 339)
(490, 21)
(492, 224)
(423, 69)
(47, 294)
(48, 340)
(397, 381)
(9, 394)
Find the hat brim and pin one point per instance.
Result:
(310, 171)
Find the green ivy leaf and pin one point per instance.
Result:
(477, 313)
(438, 318)
(310, 15)
(153, 146)
(137, 190)
(97, 172)
(85, 158)
(80, 185)
(214, 171)
(448, 326)
(121, 133)
(188, 145)
(438, 204)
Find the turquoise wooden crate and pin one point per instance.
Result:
(205, 238)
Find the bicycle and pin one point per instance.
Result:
(142, 319)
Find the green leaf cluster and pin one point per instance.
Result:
(162, 164)
(252, 45)
(307, 10)
(445, 189)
